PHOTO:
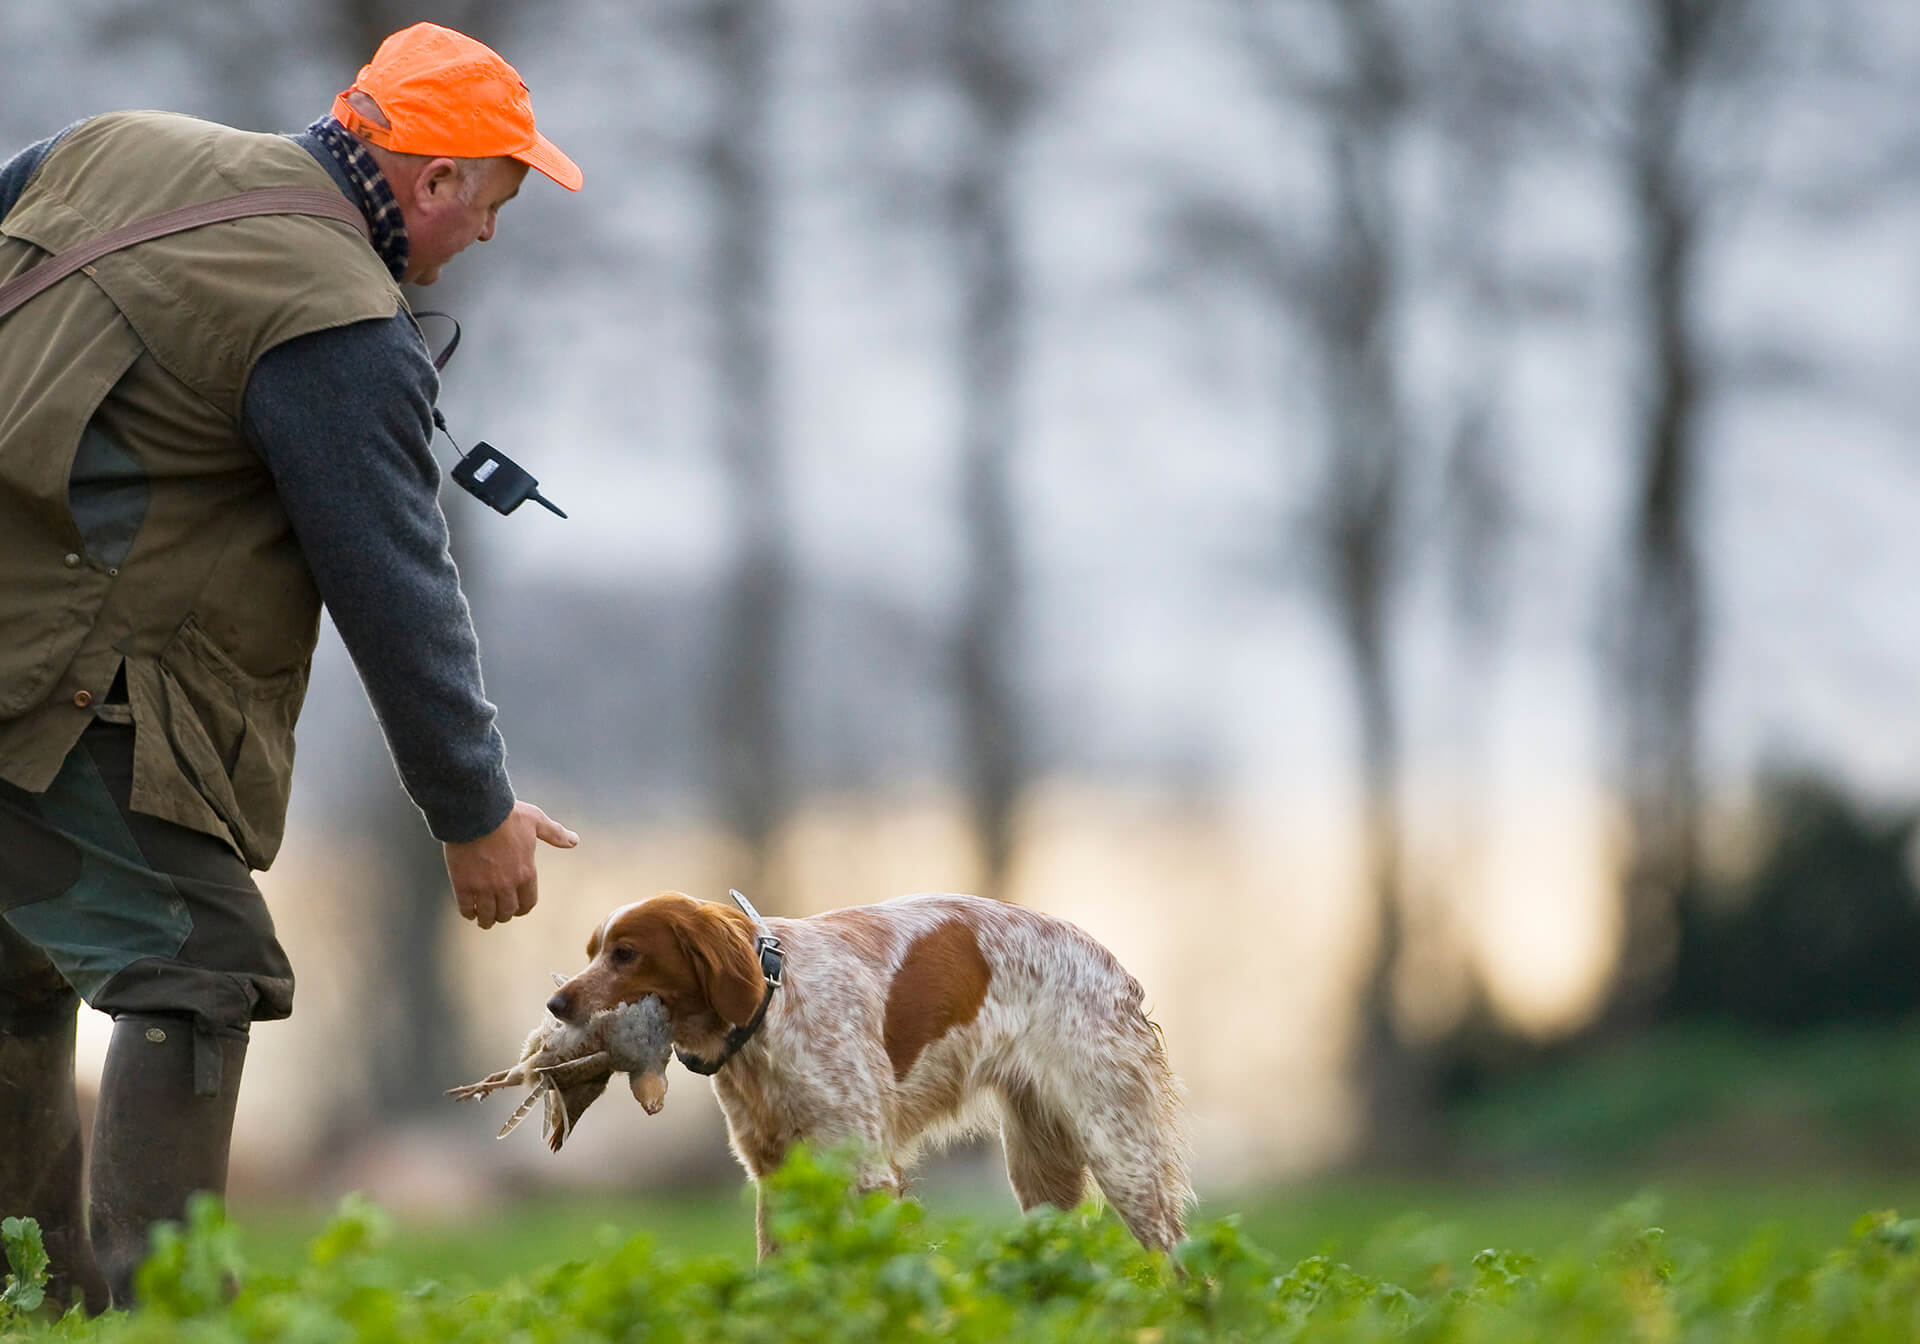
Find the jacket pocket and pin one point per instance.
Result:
(231, 735)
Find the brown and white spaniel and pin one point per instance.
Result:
(912, 1021)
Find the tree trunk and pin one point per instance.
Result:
(981, 220)
(751, 744)
(1662, 646)
(1367, 444)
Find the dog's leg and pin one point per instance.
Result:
(1045, 1164)
(763, 1243)
(880, 1175)
(876, 1173)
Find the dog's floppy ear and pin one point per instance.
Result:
(723, 961)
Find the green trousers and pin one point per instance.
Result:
(134, 914)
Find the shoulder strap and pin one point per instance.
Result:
(265, 201)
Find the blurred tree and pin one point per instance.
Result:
(1346, 286)
(1693, 50)
(1481, 112)
(978, 62)
(748, 681)
(1385, 87)
(1351, 310)
(987, 68)
(1486, 112)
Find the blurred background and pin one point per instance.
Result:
(1396, 517)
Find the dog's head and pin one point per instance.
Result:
(697, 956)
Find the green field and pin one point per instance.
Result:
(1382, 1227)
(1591, 1259)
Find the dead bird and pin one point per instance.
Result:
(568, 1067)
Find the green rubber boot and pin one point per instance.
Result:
(40, 1161)
(160, 1134)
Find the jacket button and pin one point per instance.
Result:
(81, 699)
(72, 561)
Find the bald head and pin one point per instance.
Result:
(447, 203)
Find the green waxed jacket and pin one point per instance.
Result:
(176, 562)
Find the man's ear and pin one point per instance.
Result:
(437, 182)
(723, 962)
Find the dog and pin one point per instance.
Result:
(894, 1025)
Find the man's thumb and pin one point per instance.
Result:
(553, 832)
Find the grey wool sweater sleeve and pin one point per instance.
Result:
(343, 420)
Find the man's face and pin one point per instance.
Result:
(446, 212)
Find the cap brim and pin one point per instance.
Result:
(546, 156)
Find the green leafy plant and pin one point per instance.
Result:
(26, 1285)
(856, 1268)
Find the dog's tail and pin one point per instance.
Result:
(1130, 1115)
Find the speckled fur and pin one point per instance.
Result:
(1060, 1056)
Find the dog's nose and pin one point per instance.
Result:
(561, 1006)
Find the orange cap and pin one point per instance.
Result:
(445, 94)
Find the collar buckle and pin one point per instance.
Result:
(773, 958)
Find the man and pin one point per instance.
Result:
(202, 438)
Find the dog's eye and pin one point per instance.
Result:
(623, 955)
